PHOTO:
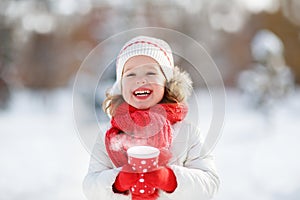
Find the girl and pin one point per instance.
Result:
(147, 106)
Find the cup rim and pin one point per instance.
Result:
(143, 152)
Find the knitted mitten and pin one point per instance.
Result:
(124, 181)
(163, 178)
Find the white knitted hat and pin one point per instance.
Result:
(155, 48)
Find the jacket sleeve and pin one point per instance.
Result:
(97, 184)
(197, 177)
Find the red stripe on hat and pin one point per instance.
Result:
(142, 41)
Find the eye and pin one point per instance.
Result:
(130, 75)
(151, 73)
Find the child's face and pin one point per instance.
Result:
(143, 83)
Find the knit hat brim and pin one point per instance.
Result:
(155, 48)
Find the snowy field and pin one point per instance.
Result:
(42, 157)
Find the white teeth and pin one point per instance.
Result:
(142, 92)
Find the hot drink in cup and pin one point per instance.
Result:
(143, 158)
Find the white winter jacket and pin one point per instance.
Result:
(196, 175)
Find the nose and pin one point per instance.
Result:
(141, 81)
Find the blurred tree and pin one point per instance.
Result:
(4, 94)
(44, 62)
(51, 38)
(269, 79)
(289, 34)
(5, 59)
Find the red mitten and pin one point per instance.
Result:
(124, 181)
(163, 178)
(164, 157)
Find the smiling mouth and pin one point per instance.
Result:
(142, 92)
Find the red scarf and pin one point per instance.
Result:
(152, 127)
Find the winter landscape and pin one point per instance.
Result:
(42, 156)
(45, 139)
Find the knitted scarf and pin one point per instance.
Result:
(151, 127)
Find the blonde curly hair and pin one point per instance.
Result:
(177, 90)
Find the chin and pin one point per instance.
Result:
(141, 106)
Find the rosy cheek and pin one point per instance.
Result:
(156, 81)
(125, 82)
(162, 83)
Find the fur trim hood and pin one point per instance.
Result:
(180, 85)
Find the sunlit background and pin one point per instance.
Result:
(254, 43)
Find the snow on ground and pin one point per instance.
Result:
(257, 156)
(42, 157)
